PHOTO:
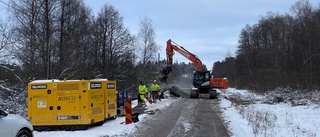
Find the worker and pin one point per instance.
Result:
(142, 92)
(155, 88)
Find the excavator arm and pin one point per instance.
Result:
(171, 47)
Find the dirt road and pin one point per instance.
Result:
(186, 118)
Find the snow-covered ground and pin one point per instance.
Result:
(254, 119)
(270, 120)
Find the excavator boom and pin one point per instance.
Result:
(170, 52)
(171, 48)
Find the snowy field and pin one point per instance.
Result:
(270, 120)
(251, 120)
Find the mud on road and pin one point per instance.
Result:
(186, 117)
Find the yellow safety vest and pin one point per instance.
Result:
(143, 89)
(155, 87)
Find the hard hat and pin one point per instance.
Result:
(154, 80)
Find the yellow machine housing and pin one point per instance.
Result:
(110, 92)
(78, 103)
(111, 100)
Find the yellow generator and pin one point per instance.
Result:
(110, 92)
(111, 99)
(69, 104)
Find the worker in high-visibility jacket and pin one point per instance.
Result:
(155, 88)
(142, 92)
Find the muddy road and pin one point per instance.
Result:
(186, 117)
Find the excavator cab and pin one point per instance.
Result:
(201, 79)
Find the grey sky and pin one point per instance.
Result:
(207, 28)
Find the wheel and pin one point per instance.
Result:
(24, 133)
(120, 111)
(194, 94)
(212, 94)
(100, 123)
(83, 127)
(114, 117)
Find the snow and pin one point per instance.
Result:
(186, 124)
(255, 119)
(276, 120)
(57, 80)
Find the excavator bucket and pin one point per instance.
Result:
(165, 72)
(163, 79)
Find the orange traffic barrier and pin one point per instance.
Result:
(128, 111)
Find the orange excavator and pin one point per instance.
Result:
(203, 81)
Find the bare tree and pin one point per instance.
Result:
(71, 41)
(306, 43)
(34, 34)
(113, 44)
(51, 37)
(5, 42)
(147, 48)
(146, 40)
(8, 64)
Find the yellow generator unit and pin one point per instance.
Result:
(67, 104)
(110, 92)
(111, 100)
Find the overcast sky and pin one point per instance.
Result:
(206, 28)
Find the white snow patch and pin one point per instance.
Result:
(186, 124)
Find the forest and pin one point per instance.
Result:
(280, 50)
